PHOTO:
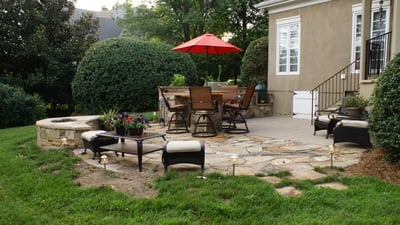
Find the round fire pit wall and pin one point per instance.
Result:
(51, 132)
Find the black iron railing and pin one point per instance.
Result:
(377, 54)
(332, 91)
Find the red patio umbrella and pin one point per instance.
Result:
(207, 44)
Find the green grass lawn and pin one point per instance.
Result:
(37, 187)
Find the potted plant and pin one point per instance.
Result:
(107, 119)
(135, 124)
(119, 121)
(355, 105)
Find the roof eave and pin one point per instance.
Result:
(271, 3)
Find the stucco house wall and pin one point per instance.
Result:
(325, 47)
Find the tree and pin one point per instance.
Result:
(254, 66)
(41, 48)
(174, 22)
(170, 21)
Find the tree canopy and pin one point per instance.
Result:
(175, 22)
(41, 47)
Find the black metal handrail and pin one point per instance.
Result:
(332, 90)
(377, 54)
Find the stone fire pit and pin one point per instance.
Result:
(52, 132)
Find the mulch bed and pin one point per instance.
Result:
(372, 163)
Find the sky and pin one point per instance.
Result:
(96, 5)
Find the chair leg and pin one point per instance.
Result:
(179, 124)
(231, 121)
(236, 118)
(205, 123)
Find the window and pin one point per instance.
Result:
(379, 26)
(357, 41)
(288, 46)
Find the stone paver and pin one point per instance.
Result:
(257, 155)
(296, 157)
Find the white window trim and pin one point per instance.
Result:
(283, 22)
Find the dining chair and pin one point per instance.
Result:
(236, 110)
(202, 106)
(177, 122)
(229, 95)
(230, 92)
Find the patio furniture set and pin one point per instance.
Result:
(212, 110)
(343, 127)
(174, 152)
(202, 105)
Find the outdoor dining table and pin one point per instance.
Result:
(217, 97)
(135, 145)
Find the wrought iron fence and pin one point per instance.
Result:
(377, 54)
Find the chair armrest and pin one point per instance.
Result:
(330, 113)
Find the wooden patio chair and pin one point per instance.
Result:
(177, 122)
(203, 106)
(236, 110)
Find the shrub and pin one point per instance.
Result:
(385, 115)
(355, 101)
(125, 73)
(178, 80)
(255, 62)
(19, 108)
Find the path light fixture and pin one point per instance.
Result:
(104, 161)
(234, 161)
(64, 142)
(332, 151)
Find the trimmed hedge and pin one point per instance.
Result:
(125, 73)
(19, 108)
(385, 116)
(255, 62)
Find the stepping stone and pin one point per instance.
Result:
(289, 191)
(333, 185)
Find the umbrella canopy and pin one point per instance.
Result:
(207, 44)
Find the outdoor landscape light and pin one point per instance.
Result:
(104, 161)
(64, 142)
(234, 161)
(332, 150)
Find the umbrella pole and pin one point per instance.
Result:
(206, 81)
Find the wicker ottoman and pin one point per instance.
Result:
(93, 142)
(175, 152)
(354, 131)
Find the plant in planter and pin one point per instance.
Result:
(107, 119)
(135, 124)
(119, 121)
(355, 105)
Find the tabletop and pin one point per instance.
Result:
(144, 136)
(187, 94)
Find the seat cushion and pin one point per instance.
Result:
(353, 123)
(91, 135)
(183, 146)
(324, 118)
